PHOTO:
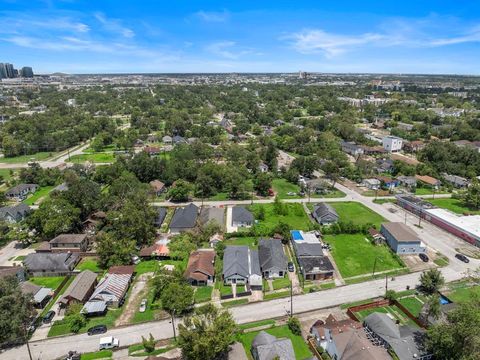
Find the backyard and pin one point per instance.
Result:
(414, 303)
(295, 217)
(299, 346)
(249, 241)
(355, 255)
(51, 282)
(462, 291)
(454, 205)
(357, 213)
(40, 194)
(393, 310)
(88, 263)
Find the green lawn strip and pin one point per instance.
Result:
(392, 310)
(282, 187)
(138, 350)
(428, 191)
(454, 205)
(369, 277)
(354, 255)
(20, 258)
(281, 283)
(299, 346)
(441, 260)
(95, 158)
(249, 241)
(221, 196)
(384, 201)
(151, 312)
(40, 194)
(6, 174)
(203, 293)
(276, 295)
(412, 304)
(146, 266)
(51, 282)
(357, 213)
(26, 158)
(232, 303)
(256, 324)
(296, 218)
(168, 218)
(224, 289)
(88, 263)
(462, 294)
(355, 303)
(54, 300)
(104, 354)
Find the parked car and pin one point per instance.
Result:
(463, 258)
(98, 329)
(291, 193)
(290, 266)
(73, 355)
(143, 305)
(108, 342)
(135, 259)
(48, 317)
(424, 257)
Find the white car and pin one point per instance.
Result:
(143, 305)
(109, 342)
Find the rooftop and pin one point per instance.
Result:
(470, 223)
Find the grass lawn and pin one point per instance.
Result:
(146, 266)
(219, 197)
(257, 324)
(354, 255)
(110, 147)
(461, 292)
(104, 354)
(413, 304)
(299, 345)
(203, 293)
(232, 303)
(296, 217)
(453, 205)
(282, 187)
(281, 283)
(152, 311)
(95, 158)
(88, 263)
(428, 191)
(246, 240)
(392, 310)
(276, 295)
(357, 213)
(224, 289)
(7, 173)
(26, 158)
(51, 282)
(40, 194)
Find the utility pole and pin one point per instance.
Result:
(374, 265)
(291, 298)
(28, 345)
(386, 283)
(173, 325)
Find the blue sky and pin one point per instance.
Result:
(241, 36)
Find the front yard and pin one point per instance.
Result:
(393, 310)
(462, 291)
(295, 217)
(357, 213)
(94, 158)
(355, 255)
(203, 294)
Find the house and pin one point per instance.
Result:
(388, 182)
(158, 250)
(351, 148)
(226, 124)
(160, 217)
(113, 287)
(407, 181)
(241, 217)
(346, 340)
(273, 262)
(80, 289)
(241, 266)
(61, 188)
(405, 341)
(177, 140)
(212, 215)
(157, 187)
(376, 236)
(456, 181)
(392, 143)
(401, 239)
(50, 264)
(371, 184)
(263, 168)
(167, 140)
(21, 191)
(40, 295)
(152, 150)
(17, 271)
(92, 223)
(215, 239)
(200, 269)
(414, 146)
(15, 213)
(384, 165)
(314, 265)
(94, 308)
(69, 242)
(268, 347)
(184, 219)
(324, 214)
(428, 180)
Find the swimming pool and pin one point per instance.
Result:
(296, 235)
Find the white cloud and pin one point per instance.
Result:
(213, 16)
(114, 25)
(227, 50)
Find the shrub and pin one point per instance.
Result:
(294, 326)
(148, 344)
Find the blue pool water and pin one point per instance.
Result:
(444, 300)
(296, 235)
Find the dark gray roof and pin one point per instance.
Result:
(61, 187)
(208, 214)
(17, 211)
(240, 260)
(185, 217)
(382, 325)
(241, 214)
(20, 188)
(323, 210)
(50, 261)
(81, 285)
(268, 347)
(68, 239)
(315, 264)
(271, 255)
(308, 249)
(161, 214)
(179, 140)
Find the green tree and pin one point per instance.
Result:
(294, 325)
(148, 344)
(262, 183)
(471, 197)
(181, 246)
(75, 319)
(180, 191)
(112, 251)
(207, 334)
(15, 310)
(433, 306)
(431, 281)
(177, 297)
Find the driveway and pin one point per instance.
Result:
(137, 293)
(12, 250)
(229, 227)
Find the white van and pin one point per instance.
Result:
(108, 342)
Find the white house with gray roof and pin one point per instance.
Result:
(14, 214)
(241, 217)
(273, 262)
(184, 219)
(241, 266)
(324, 214)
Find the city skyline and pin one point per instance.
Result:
(78, 37)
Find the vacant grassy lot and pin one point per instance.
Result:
(282, 187)
(26, 158)
(428, 191)
(95, 158)
(296, 218)
(357, 213)
(39, 195)
(245, 240)
(393, 310)
(462, 291)
(51, 282)
(88, 263)
(299, 346)
(354, 255)
(203, 293)
(413, 304)
(453, 205)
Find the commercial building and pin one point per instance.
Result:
(401, 239)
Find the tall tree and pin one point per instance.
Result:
(112, 251)
(177, 297)
(431, 281)
(472, 196)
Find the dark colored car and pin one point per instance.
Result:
(290, 267)
(463, 258)
(98, 329)
(48, 317)
(423, 257)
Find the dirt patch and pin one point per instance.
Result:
(414, 263)
(137, 293)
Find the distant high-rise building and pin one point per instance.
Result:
(3, 71)
(10, 70)
(302, 75)
(27, 72)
